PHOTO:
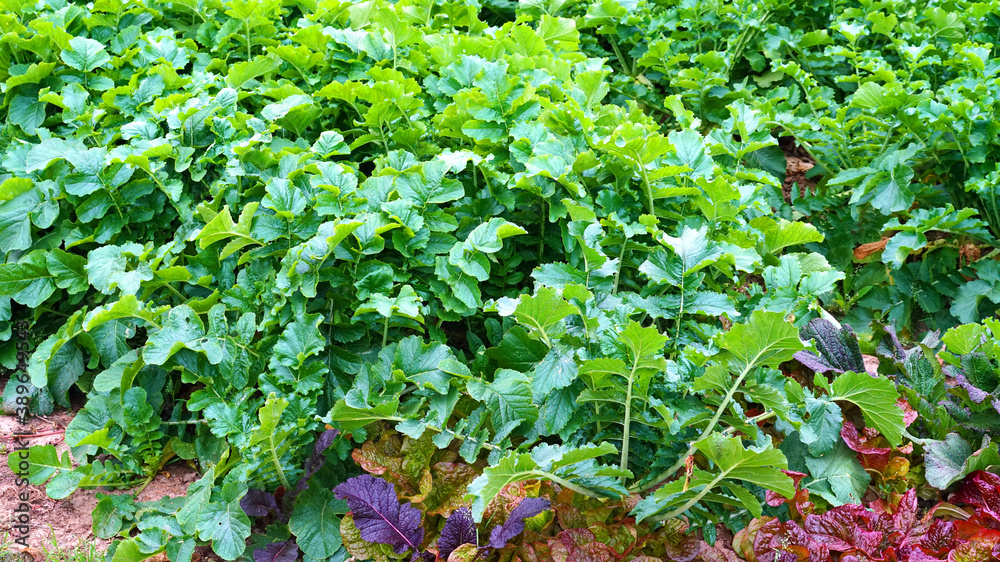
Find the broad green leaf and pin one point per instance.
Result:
(68, 269)
(949, 461)
(242, 72)
(270, 438)
(126, 307)
(15, 220)
(543, 312)
(348, 418)
(556, 370)
(222, 227)
(694, 249)
(182, 329)
(508, 397)
(780, 234)
(227, 526)
(765, 339)
(838, 476)
(561, 464)
(315, 523)
(821, 432)
(85, 54)
(736, 462)
(876, 397)
(28, 282)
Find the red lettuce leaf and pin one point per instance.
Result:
(378, 514)
(982, 490)
(787, 542)
(574, 545)
(865, 443)
(799, 505)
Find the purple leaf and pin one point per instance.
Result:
(378, 514)
(514, 525)
(891, 349)
(286, 551)
(258, 503)
(459, 529)
(838, 348)
(812, 361)
(977, 395)
(317, 460)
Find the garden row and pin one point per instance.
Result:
(511, 281)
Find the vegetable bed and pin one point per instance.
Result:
(559, 280)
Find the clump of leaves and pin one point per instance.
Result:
(379, 518)
(312, 523)
(880, 531)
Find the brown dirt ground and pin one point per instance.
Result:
(67, 521)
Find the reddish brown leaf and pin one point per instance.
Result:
(450, 481)
(579, 545)
(865, 250)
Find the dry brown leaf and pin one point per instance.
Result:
(32, 552)
(865, 250)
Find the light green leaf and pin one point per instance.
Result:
(85, 54)
(315, 524)
(558, 463)
(838, 476)
(542, 312)
(556, 370)
(877, 399)
(734, 461)
(780, 234)
(227, 526)
(508, 398)
(222, 227)
(765, 339)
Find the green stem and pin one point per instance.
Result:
(697, 498)
(621, 264)
(174, 291)
(385, 332)
(247, 24)
(277, 464)
(628, 420)
(916, 439)
(567, 484)
(148, 481)
(621, 59)
(123, 484)
(680, 315)
(649, 189)
(541, 234)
